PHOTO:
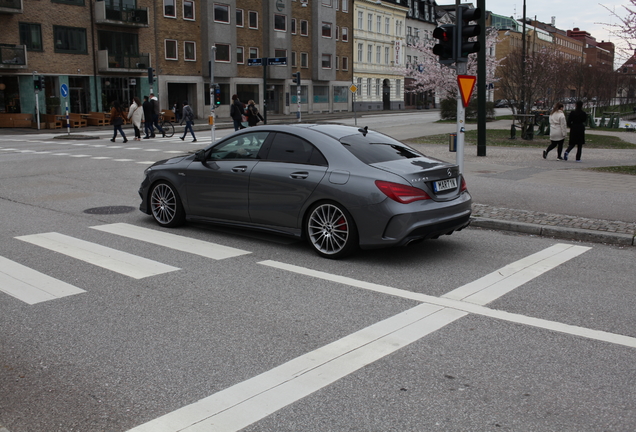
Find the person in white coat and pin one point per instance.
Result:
(136, 114)
(558, 130)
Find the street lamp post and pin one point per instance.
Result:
(212, 88)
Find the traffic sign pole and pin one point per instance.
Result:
(64, 93)
(212, 99)
(353, 89)
(461, 120)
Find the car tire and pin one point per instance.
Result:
(331, 230)
(166, 206)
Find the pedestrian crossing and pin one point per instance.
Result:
(32, 286)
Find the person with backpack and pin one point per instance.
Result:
(188, 117)
(237, 112)
(117, 117)
(253, 116)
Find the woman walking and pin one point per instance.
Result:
(136, 113)
(576, 123)
(558, 130)
(253, 116)
(117, 117)
(188, 116)
(237, 111)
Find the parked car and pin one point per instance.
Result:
(501, 103)
(339, 187)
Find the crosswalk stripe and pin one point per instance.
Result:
(101, 256)
(30, 285)
(172, 241)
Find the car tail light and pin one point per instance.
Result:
(464, 186)
(401, 193)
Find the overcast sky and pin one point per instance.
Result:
(587, 15)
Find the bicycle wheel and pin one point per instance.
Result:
(168, 128)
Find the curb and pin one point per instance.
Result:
(555, 232)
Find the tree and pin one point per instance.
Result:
(625, 29)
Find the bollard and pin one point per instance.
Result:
(452, 142)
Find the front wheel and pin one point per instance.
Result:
(168, 128)
(166, 205)
(331, 230)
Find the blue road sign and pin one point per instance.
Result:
(277, 61)
(255, 62)
(64, 90)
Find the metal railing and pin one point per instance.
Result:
(108, 61)
(12, 57)
(135, 16)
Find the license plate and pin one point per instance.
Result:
(443, 185)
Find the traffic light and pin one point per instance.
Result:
(151, 76)
(445, 49)
(217, 95)
(466, 31)
(38, 83)
(296, 78)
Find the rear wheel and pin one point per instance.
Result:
(166, 205)
(331, 230)
(168, 128)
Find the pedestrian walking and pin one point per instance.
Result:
(576, 123)
(155, 116)
(117, 117)
(558, 130)
(136, 115)
(149, 113)
(237, 111)
(253, 116)
(188, 117)
(177, 112)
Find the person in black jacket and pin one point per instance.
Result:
(149, 113)
(576, 123)
(253, 116)
(237, 111)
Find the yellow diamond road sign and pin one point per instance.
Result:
(353, 88)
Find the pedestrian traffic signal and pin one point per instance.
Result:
(217, 95)
(466, 31)
(296, 78)
(445, 49)
(38, 83)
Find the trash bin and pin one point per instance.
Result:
(452, 142)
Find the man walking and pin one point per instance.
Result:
(155, 117)
(149, 114)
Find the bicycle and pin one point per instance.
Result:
(166, 125)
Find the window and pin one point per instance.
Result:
(168, 8)
(386, 55)
(171, 49)
(321, 94)
(378, 54)
(360, 20)
(345, 34)
(293, 59)
(304, 60)
(221, 13)
(240, 55)
(326, 29)
(253, 16)
(398, 88)
(222, 53)
(293, 26)
(368, 86)
(244, 146)
(345, 6)
(370, 22)
(188, 10)
(359, 91)
(304, 27)
(387, 25)
(360, 48)
(378, 87)
(345, 63)
(73, 2)
(340, 94)
(253, 52)
(292, 149)
(31, 36)
(280, 53)
(70, 40)
(190, 51)
(370, 54)
(280, 22)
(239, 18)
(378, 25)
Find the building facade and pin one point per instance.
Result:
(420, 23)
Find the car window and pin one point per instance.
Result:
(291, 148)
(376, 148)
(245, 146)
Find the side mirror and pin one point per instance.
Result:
(200, 156)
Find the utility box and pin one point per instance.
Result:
(452, 142)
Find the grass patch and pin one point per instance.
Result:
(501, 138)
(629, 170)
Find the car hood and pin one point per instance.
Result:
(172, 160)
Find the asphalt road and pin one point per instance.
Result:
(480, 330)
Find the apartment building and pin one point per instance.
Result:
(379, 39)
(420, 23)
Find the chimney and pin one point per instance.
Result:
(553, 22)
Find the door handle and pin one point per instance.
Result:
(242, 168)
(299, 175)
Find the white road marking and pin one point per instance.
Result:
(124, 160)
(250, 401)
(80, 156)
(146, 162)
(101, 256)
(102, 157)
(30, 285)
(172, 241)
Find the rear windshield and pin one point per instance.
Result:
(376, 148)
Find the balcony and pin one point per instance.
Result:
(11, 7)
(121, 18)
(122, 63)
(13, 57)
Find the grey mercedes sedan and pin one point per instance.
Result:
(339, 187)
